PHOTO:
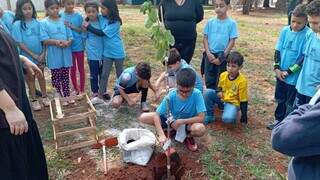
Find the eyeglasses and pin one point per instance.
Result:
(183, 91)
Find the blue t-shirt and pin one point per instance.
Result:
(76, 20)
(29, 36)
(183, 108)
(309, 77)
(94, 43)
(7, 19)
(127, 78)
(199, 83)
(219, 33)
(56, 57)
(4, 27)
(291, 45)
(112, 41)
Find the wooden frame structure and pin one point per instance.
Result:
(83, 112)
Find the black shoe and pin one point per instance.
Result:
(106, 96)
(272, 124)
(38, 93)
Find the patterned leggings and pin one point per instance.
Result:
(60, 80)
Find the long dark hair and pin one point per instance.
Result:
(113, 10)
(19, 13)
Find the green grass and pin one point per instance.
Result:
(58, 165)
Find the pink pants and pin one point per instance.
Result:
(78, 63)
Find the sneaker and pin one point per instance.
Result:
(46, 101)
(70, 100)
(191, 144)
(106, 96)
(35, 105)
(208, 119)
(96, 100)
(272, 124)
(144, 107)
(65, 101)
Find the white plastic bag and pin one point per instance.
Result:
(138, 151)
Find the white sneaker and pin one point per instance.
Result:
(46, 101)
(35, 105)
(70, 100)
(96, 100)
(64, 101)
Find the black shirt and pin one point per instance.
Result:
(182, 20)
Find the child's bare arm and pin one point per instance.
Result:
(126, 97)
(230, 46)
(196, 119)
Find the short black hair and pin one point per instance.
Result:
(186, 77)
(143, 70)
(300, 11)
(235, 58)
(92, 4)
(174, 57)
(313, 9)
(225, 1)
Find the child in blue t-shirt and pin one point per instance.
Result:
(94, 47)
(309, 78)
(58, 38)
(26, 32)
(73, 20)
(187, 107)
(6, 20)
(175, 64)
(134, 79)
(220, 34)
(288, 60)
(113, 47)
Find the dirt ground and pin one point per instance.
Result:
(226, 151)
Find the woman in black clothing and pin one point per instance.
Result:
(181, 18)
(21, 152)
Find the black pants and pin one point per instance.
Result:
(301, 100)
(185, 47)
(285, 95)
(133, 89)
(212, 71)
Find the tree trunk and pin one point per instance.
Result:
(266, 3)
(281, 5)
(246, 7)
(9, 5)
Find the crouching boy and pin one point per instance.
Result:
(187, 108)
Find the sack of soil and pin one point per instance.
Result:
(136, 145)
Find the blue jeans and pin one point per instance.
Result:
(95, 67)
(229, 110)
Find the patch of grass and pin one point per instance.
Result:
(261, 170)
(214, 170)
(58, 165)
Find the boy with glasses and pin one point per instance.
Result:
(186, 104)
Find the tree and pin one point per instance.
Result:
(246, 7)
(9, 5)
(281, 5)
(266, 3)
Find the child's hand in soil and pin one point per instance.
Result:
(16, 120)
(175, 125)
